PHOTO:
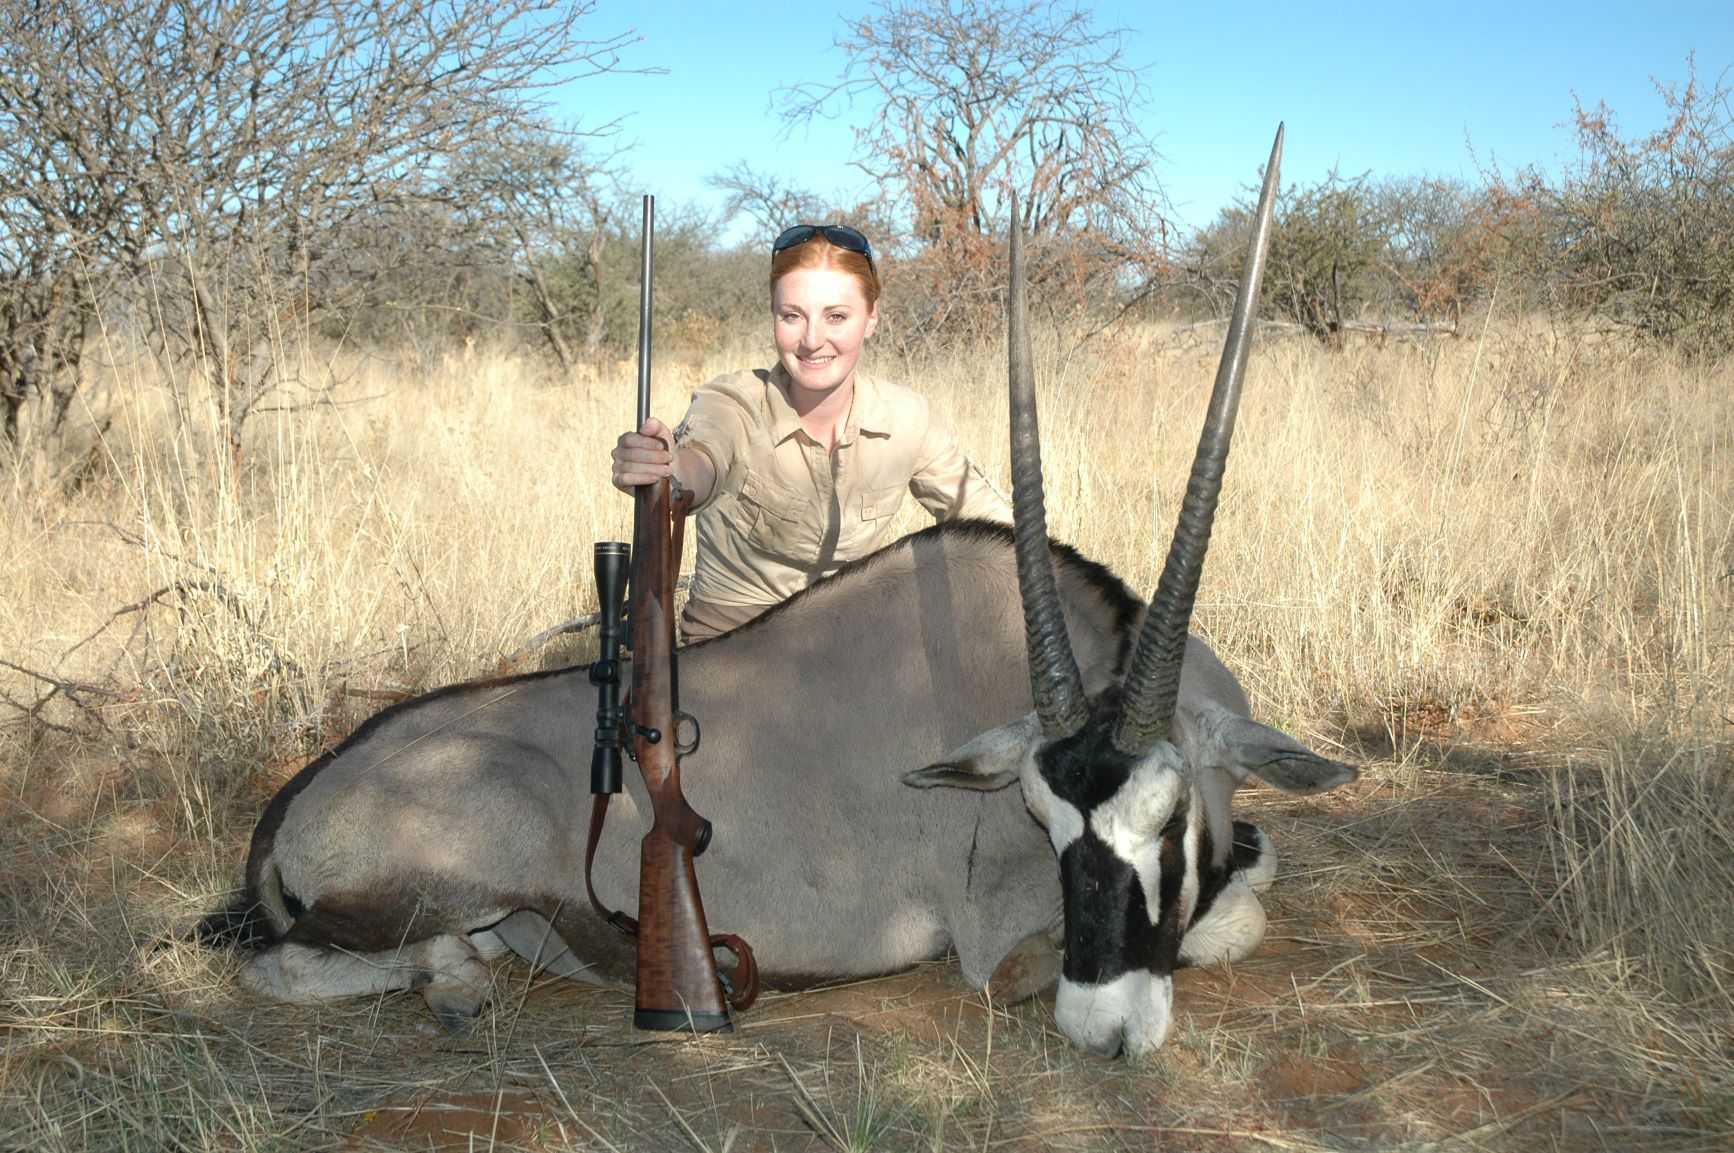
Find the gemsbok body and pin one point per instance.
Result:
(961, 660)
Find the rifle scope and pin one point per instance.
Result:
(613, 560)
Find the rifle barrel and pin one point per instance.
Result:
(644, 313)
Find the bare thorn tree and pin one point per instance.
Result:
(1646, 223)
(969, 100)
(553, 201)
(770, 202)
(222, 154)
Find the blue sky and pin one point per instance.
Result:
(1394, 88)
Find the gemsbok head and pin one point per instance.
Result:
(1134, 791)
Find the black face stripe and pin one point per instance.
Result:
(1110, 930)
(1108, 924)
(1212, 880)
(1085, 770)
(1169, 931)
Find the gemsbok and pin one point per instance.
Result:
(451, 828)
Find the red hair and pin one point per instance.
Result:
(821, 253)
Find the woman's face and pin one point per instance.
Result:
(821, 318)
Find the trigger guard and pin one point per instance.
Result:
(682, 748)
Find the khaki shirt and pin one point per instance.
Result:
(785, 512)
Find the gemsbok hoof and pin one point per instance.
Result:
(456, 984)
(1032, 966)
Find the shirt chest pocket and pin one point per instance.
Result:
(874, 508)
(880, 503)
(779, 521)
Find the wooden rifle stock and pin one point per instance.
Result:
(678, 983)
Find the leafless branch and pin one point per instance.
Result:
(57, 687)
(575, 625)
(237, 608)
(969, 101)
(227, 157)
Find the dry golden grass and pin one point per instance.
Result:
(1498, 571)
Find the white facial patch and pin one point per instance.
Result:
(1133, 1010)
(1130, 823)
(1064, 820)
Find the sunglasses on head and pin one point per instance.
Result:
(844, 237)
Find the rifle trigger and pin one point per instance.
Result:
(690, 747)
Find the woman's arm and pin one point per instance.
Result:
(949, 484)
(644, 456)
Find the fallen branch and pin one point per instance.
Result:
(58, 687)
(1402, 331)
(1367, 327)
(575, 625)
(279, 663)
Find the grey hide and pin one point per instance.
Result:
(447, 813)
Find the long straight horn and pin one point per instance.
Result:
(1055, 683)
(1153, 685)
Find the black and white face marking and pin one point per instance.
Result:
(1129, 832)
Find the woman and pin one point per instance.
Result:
(798, 469)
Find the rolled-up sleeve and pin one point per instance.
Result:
(716, 425)
(950, 485)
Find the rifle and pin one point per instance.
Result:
(679, 985)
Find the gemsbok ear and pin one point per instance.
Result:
(1277, 759)
(986, 764)
(968, 775)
